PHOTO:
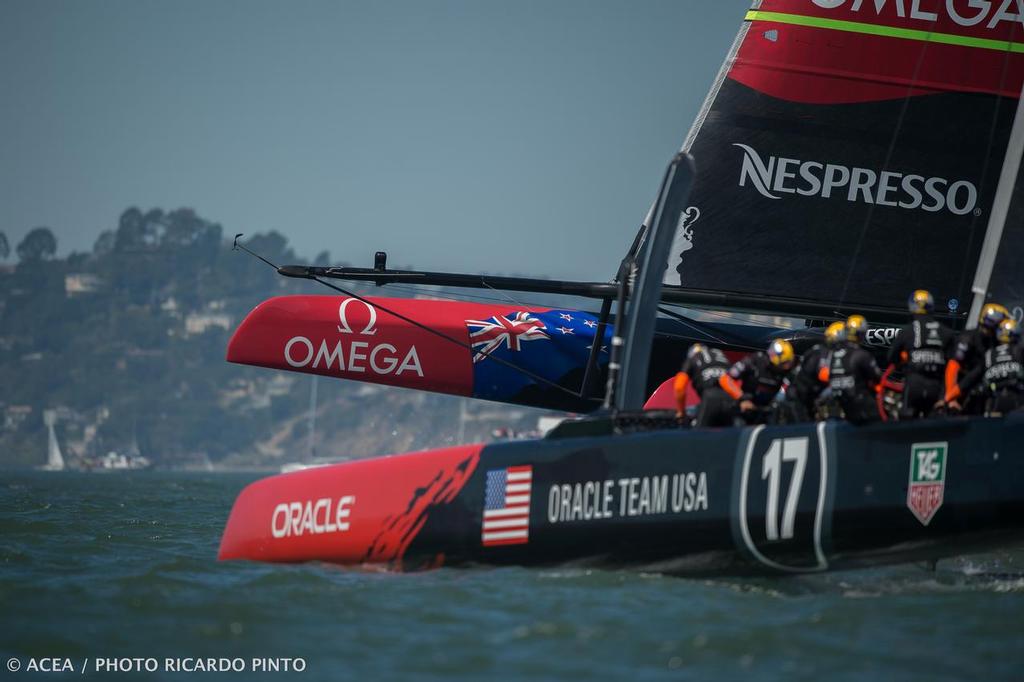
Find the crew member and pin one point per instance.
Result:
(805, 387)
(703, 368)
(921, 349)
(965, 368)
(853, 375)
(1003, 379)
(755, 380)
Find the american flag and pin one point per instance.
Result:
(507, 506)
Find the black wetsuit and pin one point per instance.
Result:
(970, 355)
(759, 381)
(1003, 378)
(704, 370)
(805, 386)
(852, 375)
(922, 348)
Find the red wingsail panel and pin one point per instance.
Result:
(844, 51)
(346, 338)
(357, 513)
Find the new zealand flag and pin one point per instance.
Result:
(554, 344)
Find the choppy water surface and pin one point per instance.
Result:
(123, 565)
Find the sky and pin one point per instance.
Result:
(522, 137)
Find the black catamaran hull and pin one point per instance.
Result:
(729, 501)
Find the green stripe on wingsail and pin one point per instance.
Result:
(888, 31)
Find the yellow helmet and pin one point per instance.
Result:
(835, 333)
(780, 353)
(856, 327)
(694, 349)
(991, 315)
(1008, 331)
(921, 302)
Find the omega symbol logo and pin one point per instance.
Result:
(344, 328)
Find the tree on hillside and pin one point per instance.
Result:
(183, 227)
(154, 223)
(38, 244)
(104, 243)
(138, 231)
(130, 235)
(5, 247)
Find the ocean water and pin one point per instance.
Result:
(116, 573)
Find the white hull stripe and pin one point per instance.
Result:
(508, 511)
(506, 535)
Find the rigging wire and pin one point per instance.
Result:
(444, 295)
(685, 321)
(536, 377)
(736, 318)
(503, 294)
(734, 343)
(443, 292)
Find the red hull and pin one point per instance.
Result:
(364, 513)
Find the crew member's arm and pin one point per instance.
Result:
(682, 381)
(730, 386)
(971, 378)
(732, 383)
(952, 372)
(953, 367)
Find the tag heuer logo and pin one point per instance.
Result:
(927, 479)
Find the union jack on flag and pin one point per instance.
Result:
(488, 335)
(507, 506)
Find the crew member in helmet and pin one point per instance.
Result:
(703, 367)
(967, 364)
(853, 375)
(1003, 378)
(754, 381)
(921, 349)
(804, 386)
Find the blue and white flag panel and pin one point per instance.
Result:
(549, 344)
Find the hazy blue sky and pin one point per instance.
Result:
(471, 136)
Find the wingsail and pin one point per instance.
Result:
(850, 151)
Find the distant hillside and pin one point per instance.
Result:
(127, 344)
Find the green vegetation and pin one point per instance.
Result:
(130, 339)
(127, 343)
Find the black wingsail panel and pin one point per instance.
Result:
(851, 150)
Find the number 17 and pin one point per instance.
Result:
(783, 450)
